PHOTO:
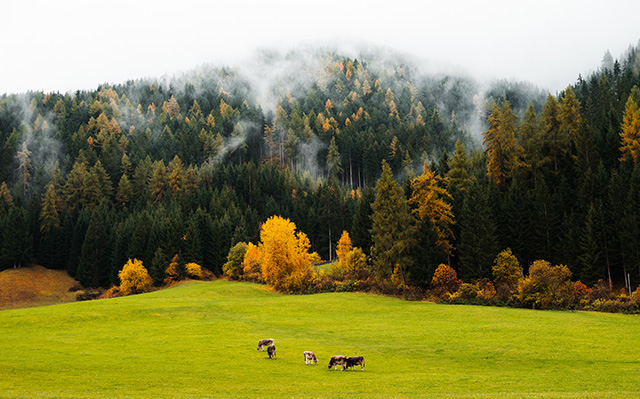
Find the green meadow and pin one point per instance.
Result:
(198, 340)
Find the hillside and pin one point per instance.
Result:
(34, 286)
(199, 340)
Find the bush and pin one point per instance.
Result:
(613, 306)
(174, 272)
(193, 270)
(134, 278)
(233, 267)
(601, 290)
(445, 281)
(546, 287)
(506, 272)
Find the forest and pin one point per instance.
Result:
(459, 172)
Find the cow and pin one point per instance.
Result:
(310, 357)
(571, 308)
(355, 361)
(271, 350)
(263, 343)
(338, 361)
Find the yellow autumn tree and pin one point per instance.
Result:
(284, 255)
(171, 107)
(251, 269)
(343, 247)
(134, 278)
(430, 203)
(193, 270)
(173, 273)
(630, 135)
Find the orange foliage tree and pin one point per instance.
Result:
(285, 258)
(445, 280)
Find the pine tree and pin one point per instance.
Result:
(125, 191)
(630, 135)
(49, 217)
(93, 266)
(555, 145)
(503, 151)
(391, 230)
(334, 163)
(459, 167)
(430, 201)
(6, 200)
(478, 243)
(590, 253)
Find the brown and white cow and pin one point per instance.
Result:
(338, 361)
(264, 342)
(271, 350)
(310, 357)
(355, 361)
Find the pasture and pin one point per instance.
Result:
(198, 340)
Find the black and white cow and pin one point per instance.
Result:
(355, 361)
(271, 350)
(264, 342)
(310, 357)
(338, 361)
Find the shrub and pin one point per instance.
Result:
(582, 293)
(636, 295)
(233, 267)
(546, 286)
(134, 278)
(445, 281)
(193, 270)
(174, 272)
(506, 271)
(486, 290)
(601, 290)
(466, 291)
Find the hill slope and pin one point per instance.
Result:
(34, 286)
(198, 340)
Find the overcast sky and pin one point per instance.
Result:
(67, 45)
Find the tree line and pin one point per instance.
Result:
(147, 170)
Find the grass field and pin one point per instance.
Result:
(199, 340)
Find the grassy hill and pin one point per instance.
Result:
(199, 340)
(34, 286)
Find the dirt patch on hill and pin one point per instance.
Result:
(31, 286)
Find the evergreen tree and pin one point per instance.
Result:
(391, 231)
(94, 266)
(478, 244)
(361, 227)
(630, 135)
(590, 253)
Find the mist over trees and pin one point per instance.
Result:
(192, 165)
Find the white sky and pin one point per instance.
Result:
(67, 45)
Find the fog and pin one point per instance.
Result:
(69, 45)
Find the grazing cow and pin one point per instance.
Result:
(271, 350)
(263, 343)
(338, 361)
(355, 361)
(571, 308)
(310, 357)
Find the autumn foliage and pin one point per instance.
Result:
(445, 280)
(134, 278)
(284, 255)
